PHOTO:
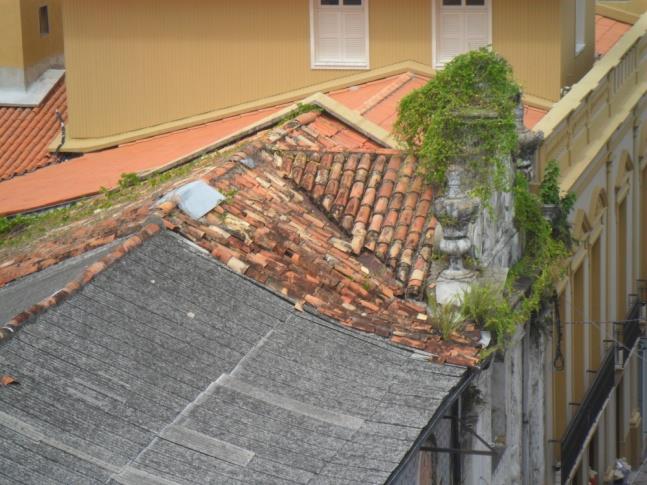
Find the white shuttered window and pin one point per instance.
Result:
(339, 33)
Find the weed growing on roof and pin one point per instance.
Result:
(19, 230)
(129, 180)
(487, 307)
(10, 224)
(432, 120)
(302, 108)
(230, 194)
(447, 318)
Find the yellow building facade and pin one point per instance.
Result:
(31, 41)
(138, 68)
(598, 133)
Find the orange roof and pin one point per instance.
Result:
(25, 134)
(322, 131)
(347, 232)
(532, 116)
(86, 175)
(607, 33)
(378, 101)
(357, 247)
(80, 177)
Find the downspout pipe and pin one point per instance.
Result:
(445, 406)
(61, 121)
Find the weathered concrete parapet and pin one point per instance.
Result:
(496, 241)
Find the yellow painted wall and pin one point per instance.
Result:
(622, 294)
(21, 44)
(559, 404)
(10, 34)
(575, 65)
(37, 47)
(527, 33)
(577, 350)
(595, 314)
(625, 11)
(133, 64)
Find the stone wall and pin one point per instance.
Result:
(510, 415)
(495, 239)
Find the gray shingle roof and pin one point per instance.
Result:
(170, 368)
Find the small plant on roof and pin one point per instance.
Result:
(302, 108)
(475, 94)
(489, 308)
(447, 318)
(129, 180)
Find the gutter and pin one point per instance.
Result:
(449, 401)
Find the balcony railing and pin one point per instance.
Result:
(572, 443)
(587, 414)
(631, 330)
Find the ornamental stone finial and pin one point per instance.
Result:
(456, 210)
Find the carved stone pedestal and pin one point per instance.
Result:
(456, 211)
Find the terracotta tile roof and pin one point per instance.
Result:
(346, 233)
(379, 202)
(25, 134)
(72, 241)
(532, 116)
(321, 131)
(86, 175)
(269, 231)
(607, 33)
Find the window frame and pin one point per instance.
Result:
(44, 27)
(436, 6)
(337, 65)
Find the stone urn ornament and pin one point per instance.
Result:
(456, 209)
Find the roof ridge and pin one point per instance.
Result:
(153, 226)
(387, 91)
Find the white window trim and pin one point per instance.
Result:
(337, 65)
(435, 4)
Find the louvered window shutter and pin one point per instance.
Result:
(340, 37)
(354, 37)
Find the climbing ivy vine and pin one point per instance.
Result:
(546, 251)
(466, 111)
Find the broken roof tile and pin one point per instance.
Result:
(312, 248)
